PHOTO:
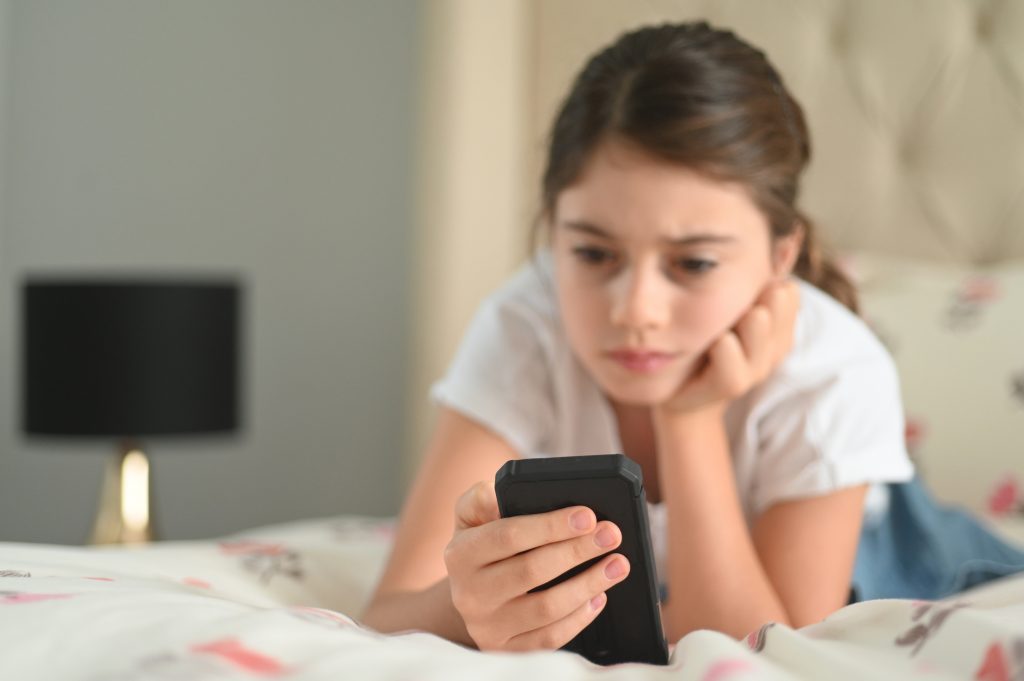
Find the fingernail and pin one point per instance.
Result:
(605, 537)
(581, 520)
(615, 569)
(597, 601)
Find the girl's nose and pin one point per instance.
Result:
(640, 299)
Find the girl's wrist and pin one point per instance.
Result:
(685, 431)
(706, 416)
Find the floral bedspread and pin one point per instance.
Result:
(280, 602)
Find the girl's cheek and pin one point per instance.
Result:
(583, 313)
(706, 319)
(595, 315)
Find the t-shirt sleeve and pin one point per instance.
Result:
(500, 378)
(844, 430)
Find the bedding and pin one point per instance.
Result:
(956, 336)
(282, 602)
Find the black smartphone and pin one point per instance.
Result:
(629, 628)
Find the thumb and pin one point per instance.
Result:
(477, 506)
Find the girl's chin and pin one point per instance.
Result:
(641, 393)
(638, 389)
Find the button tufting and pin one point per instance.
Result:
(840, 38)
(909, 153)
(983, 27)
(902, 106)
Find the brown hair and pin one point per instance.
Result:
(703, 98)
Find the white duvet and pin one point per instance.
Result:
(280, 602)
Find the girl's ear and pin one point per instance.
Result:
(785, 251)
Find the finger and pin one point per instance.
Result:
(754, 331)
(788, 310)
(732, 373)
(477, 506)
(768, 292)
(705, 385)
(559, 613)
(557, 634)
(782, 299)
(507, 537)
(517, 575)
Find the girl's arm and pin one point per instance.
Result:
(413, 591)
(794, 568)
(459, 570)
(808, 548)
(428, 609)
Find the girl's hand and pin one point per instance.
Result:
(494, 562)
(745, 355)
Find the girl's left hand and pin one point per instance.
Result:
(745, 355)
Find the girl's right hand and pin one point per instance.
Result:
(493, 563)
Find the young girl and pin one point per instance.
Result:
(680, 312)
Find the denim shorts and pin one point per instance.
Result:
(924, 550)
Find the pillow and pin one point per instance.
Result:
(957, 336)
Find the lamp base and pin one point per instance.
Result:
(124, 515)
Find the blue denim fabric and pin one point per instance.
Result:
(923, 550)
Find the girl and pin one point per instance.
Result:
(680, 312)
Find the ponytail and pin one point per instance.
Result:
(815, 266)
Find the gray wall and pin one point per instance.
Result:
(273, 139)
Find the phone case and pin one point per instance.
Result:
(629, 628)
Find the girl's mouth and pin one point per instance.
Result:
(641, 362)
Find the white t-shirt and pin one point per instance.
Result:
(830, 416)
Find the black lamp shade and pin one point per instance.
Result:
(129, 358)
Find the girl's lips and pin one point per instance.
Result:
(641, 362)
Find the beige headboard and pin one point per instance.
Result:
(916, 109)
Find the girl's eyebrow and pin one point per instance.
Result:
(688, 240)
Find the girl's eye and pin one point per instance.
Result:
(593, 256)
(696, 265)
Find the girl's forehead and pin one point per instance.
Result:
(630, 194)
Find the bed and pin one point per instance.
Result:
(282, 601)
(917, 112)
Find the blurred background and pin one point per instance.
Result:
(294, 147)
(368, 170)
(270, 140)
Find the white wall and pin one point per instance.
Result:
(6, 292)
(474, 200)
(274, 139)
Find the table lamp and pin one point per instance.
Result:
(128, 359)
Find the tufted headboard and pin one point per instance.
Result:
(916, 108)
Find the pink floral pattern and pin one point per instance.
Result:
(954, 333)
(19, 598)
(914, 433)
(266, 560)
(723, 669)
(1002, 662)
(969, 302)
(148, 625)
(756, 640)
(242, 657)
(217, 659)
(1005, 498)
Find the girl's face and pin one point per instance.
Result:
(653, 263)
